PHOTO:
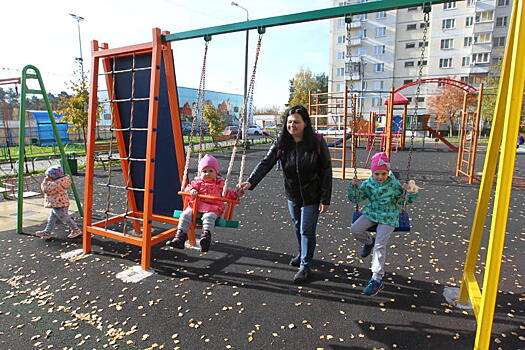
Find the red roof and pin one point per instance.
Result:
(399, 99)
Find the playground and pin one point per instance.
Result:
(452, 280)
(240, 294)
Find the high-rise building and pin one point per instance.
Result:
(464, 39)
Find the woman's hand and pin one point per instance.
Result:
(356, 182)
(194, 193)
(323, 208)
(243, 187)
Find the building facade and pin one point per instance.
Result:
(464, 38)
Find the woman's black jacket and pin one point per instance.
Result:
(307, 174)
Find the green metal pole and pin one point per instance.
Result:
(21, 155)
(315, 15)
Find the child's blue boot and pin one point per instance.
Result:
(374, 286)
(367, 248)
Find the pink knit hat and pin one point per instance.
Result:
(380, 161)
(210, 161)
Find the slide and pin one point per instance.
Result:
(441, 138)
(338, 142)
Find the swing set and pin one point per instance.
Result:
(145, 112)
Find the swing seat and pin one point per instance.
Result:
(403, 226)
(219, 222)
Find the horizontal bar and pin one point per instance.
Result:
(110, 157)
(30, 91)
(125, 215)
(8, 81)
(111, 220)
(125, 71)
(131, 99)
(121, 187)
(115, 235)
(123, 51)
(159, 218)
(205, 196)
(128, 129)
(315, 15)
(163, 236)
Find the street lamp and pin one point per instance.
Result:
(245, 64)
(78, 19)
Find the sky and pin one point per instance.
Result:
(42, 33)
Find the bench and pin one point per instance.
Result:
(103, 148)
(218, 138)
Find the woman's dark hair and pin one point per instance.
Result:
(286, 141)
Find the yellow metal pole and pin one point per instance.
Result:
(504, 185)
(468, 284)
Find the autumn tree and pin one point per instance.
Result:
(216, 123)
(304, 82)
(448, 104)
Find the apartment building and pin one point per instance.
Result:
(464, 39)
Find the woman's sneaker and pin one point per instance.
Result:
(302, 275)
(373, 287)
(296, 261)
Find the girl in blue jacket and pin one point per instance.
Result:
(384, 193)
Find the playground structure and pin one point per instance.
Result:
(157, 88)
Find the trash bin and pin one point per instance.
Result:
(72, 162)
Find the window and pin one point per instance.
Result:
(448, 23)
(445, 63)
(423, 25)
(502, 21)
(380, 14)
(411, 26)
(339, 87)
(407, 81)
(465, 61)
(341, 39)
(376, 102)
(380, 31)
(479, 58)
(424, 62)
(503, 2)
(496, 60)
(361, 34)
(467, 41)
(420, 99)
(412, 8)
(481, 38)
(340, 55)
(379, 85)
(499, 41)
(471, 2)
(380, 49)
(340, 72)
(447, 44)
(409, 64)
(421, 44)
(467, 79)
(441, 84)
(340, 22)
(469, 21)
(379, 67)
(484, 16)
(449, 5)
(341, 4)
(361, 51)
(410, 45)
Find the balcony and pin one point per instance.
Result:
(355, 42)
(355, 24)
(353, 77)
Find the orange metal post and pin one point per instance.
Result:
(404, 130)
(388, 127)
(149, 183)
(475, 136)
(462, 134)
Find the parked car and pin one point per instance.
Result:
(379, 130)
(255, 130)
(332, 131)
(231, 130)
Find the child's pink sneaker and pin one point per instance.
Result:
(75, 234)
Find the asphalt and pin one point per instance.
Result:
(240, 295)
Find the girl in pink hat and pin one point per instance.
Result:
(384, 194)
(209, 183)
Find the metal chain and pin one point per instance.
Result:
(427, 7)
(195, 113)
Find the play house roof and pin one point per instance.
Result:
(399, 99)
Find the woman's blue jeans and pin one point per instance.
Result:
(304, 220)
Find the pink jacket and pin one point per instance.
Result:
(211, 188)
(55, 192)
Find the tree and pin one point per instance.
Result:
(216, 123)
(447, 106)
(268, 110)
(304, 82)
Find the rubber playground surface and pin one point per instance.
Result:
(240, 295)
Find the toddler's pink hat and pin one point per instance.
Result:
(380, 161)
(210, 161)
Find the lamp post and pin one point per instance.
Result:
(245, 65)
(79, 19)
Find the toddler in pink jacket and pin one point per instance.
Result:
(209, 183)
(55, 187)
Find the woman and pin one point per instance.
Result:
(307, 171)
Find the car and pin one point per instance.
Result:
(255, 130)
(333, 131)
(379, 130)
(231, 130)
